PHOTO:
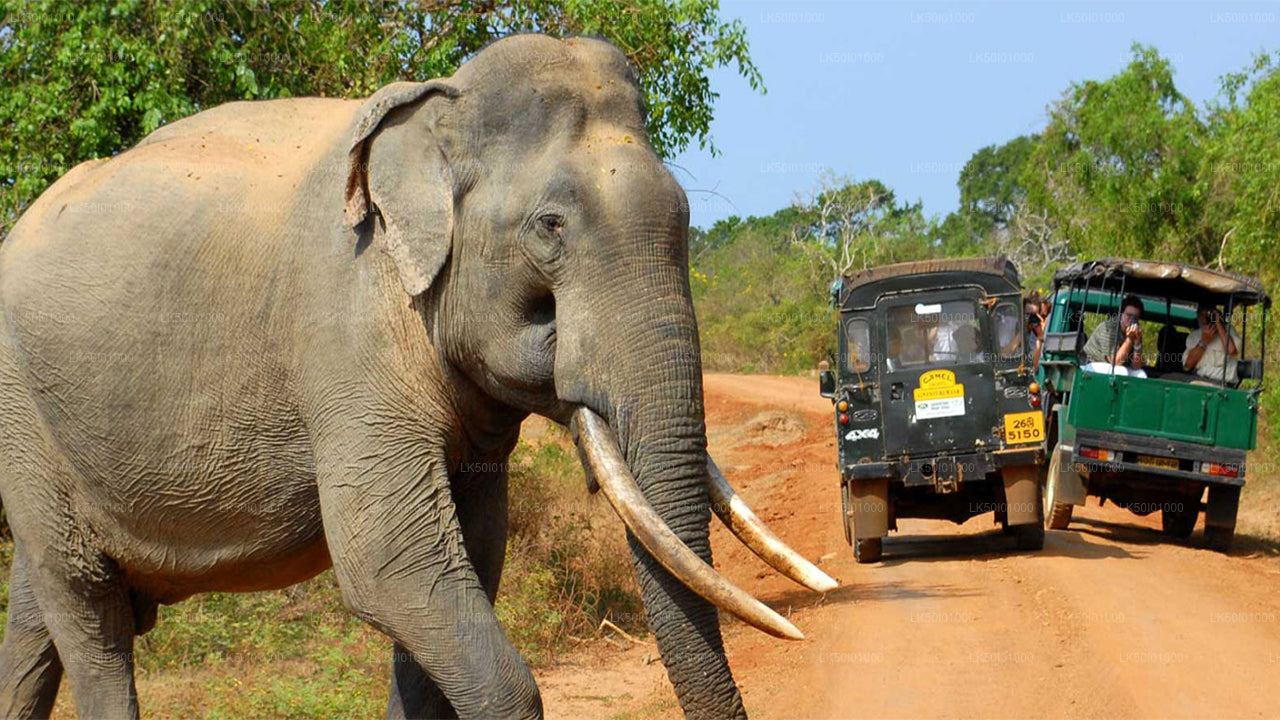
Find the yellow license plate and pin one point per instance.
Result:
(1027, 427)
(1160, 462)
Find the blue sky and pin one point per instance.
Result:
(906, 92)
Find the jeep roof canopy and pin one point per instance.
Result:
(1162, 279)
(996, 276)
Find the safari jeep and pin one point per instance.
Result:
(933, 411)
(1159, 438)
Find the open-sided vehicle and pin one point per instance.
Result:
(933, 411)
(1160, 440)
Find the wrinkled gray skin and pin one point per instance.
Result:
(210, 380)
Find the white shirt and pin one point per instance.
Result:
(1210, 365)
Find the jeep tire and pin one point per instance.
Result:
(1057, 515)
(867, 550)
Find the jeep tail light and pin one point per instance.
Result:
(1099, 454)
(844, 419)
(1212, 468)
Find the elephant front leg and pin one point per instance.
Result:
(480, 499)
(400, 556)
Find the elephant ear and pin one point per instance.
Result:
(397, 173)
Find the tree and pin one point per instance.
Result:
(844, 225)
(991, 193)
(758, 308)
(85, 80)
(990, 183)
(1033, 242)
(1241, 172)
(1117, 166)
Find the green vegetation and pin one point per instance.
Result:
(86, 80)
(568, 566)
(761, 285)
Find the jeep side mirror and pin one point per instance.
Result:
(826, 381)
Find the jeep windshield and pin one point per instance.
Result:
(926, 334)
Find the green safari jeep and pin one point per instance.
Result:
(1151, 433)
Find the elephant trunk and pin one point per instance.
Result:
(655, 408)
(627, 360)
(667, 455)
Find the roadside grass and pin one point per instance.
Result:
(297, 652)
(1258, 522)
(568, 566)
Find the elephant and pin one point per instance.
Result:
(280, 336)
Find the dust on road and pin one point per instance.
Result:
(1109, 620)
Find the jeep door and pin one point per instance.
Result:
(938, 389)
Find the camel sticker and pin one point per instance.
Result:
(939, 395)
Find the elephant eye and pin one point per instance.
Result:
(551, 224)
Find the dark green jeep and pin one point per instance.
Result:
(1151, 425)
(933, 411)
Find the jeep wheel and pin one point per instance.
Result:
(1220, 517)
(867, 550)
(1057, 515)
(1219, 538)
(1029, 536)
(1180, 522)
(847, 521)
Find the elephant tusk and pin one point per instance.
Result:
(604, 459)
(751, 530)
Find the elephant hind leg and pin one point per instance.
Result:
(84, 602)
(30, 670)
(414, 696)
(90, 616)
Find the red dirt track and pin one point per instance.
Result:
(1109, 620)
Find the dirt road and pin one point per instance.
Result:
(1109, 620)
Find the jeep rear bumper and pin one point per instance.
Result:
(1130, 447)
(946, 469)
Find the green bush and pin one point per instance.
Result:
(568, 566)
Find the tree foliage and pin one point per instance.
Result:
(1129, 165)
(1118, 165)
(991, 183)
(85, 80)
(991, 194)
(1241, 172)
(844, 226)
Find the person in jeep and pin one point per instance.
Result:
(1213, 349)
(1128, 355)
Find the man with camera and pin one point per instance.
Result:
(1034, 328)
(1123, 355)
(1213, 349)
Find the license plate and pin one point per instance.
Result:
(1027, 427)
(1160, 462)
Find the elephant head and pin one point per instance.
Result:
(546, 244)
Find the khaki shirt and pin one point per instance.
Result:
(1210, 365)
